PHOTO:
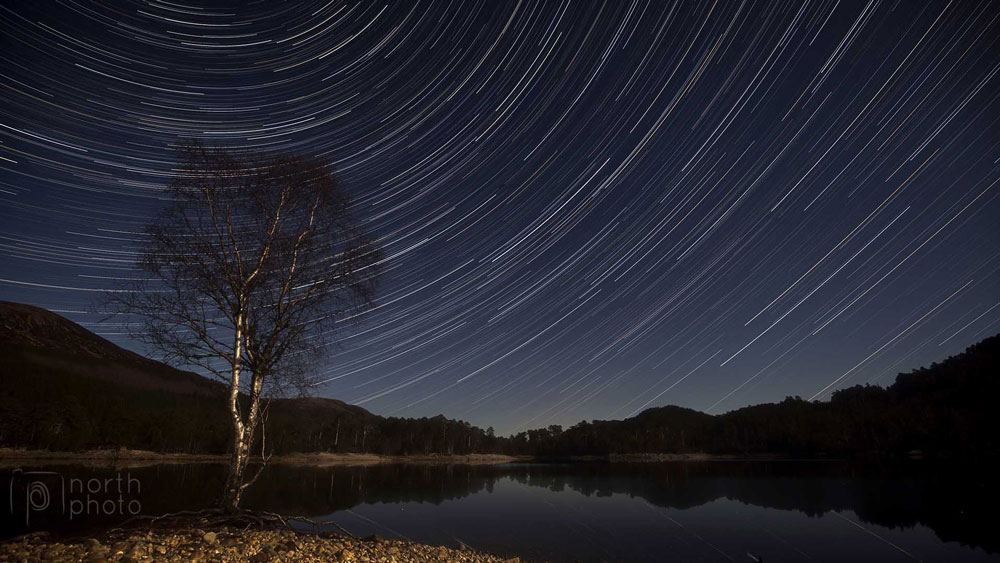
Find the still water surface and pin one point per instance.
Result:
(710, 511)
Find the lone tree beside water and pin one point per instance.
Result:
(246, 274)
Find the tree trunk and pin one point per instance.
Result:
(233, 492)
(234, 481)
(237, 481)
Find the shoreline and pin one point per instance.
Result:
(9, 456)
(12, 457)
(194, 544)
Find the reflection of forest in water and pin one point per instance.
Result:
(957, 505)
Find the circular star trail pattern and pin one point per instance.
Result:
(588, 209)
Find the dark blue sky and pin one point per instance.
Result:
(589, 209)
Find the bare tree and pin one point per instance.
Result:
(247, 272)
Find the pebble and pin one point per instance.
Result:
(230, 545)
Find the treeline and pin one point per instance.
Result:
(945, 410)
(325, 425)
(54, 402)
(46, 405)
(49, 401)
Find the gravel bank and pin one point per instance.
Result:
(228, 545)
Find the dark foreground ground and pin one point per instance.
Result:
(230, 545)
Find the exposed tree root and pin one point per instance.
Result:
(217, 518)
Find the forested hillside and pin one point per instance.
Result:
(65, 388)
(944, 410)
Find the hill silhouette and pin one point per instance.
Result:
(32, 336)
(945, 410)
(65, 388)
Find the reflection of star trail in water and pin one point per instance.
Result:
(588, 210)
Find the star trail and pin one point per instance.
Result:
(587, 209)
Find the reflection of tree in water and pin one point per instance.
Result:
(161, 489)
(322, 490)
(954, 504)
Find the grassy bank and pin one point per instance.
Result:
(126, 457)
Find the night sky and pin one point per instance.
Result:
(588, 209)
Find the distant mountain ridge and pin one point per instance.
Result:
(945, 410)
(39, 337)
(27, 325)
(64, 388)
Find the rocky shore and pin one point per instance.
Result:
(230, 545)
